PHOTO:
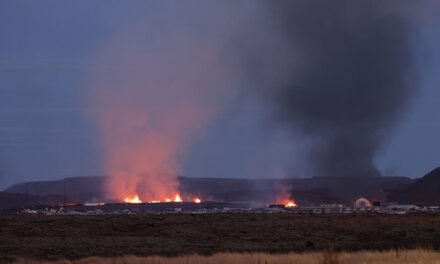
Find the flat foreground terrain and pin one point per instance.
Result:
(75, 237)
(365, 257)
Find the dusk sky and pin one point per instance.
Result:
(48, 52)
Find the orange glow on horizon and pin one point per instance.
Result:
(290, 204)
(144, 129)
(133, 199)
(177, 199)
(286, 200)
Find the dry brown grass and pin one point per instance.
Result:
(78, 237)
(328, 257)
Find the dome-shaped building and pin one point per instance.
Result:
(363, 203)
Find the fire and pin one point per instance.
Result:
(133, 199)
(177, 199)
(290, 204)
(285, 199)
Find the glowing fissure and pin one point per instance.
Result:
(155, 84)
(285, 199)
(289, 204)
(177, 199)
(133, 199)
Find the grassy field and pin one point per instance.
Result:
(76, 237)
(364, 257)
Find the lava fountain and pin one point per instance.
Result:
(177, 199)
(285, 199)
(153, 89)
(133, 199)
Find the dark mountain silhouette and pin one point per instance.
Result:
(21, 200)
(68, 186)
(424, 191)
(68, 190)
(303, 190)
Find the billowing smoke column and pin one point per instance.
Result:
(350, 78)
(155, 84)
(336, 71)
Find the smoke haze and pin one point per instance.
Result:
(336, 74)
(156, 83)
(52, 52)
(350, 78)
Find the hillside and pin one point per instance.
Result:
(75, 189)
(68, 186)
(21, 200)
(425, 190)
(303, 190)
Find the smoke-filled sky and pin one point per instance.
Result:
(60, 60)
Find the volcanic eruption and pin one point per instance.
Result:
(348, 76)
(155, 84)
(339, 72)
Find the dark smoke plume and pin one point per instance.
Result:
(350, 78)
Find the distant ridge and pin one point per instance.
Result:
(75, 189)
(68, 186)
(425, 191)
(304, 190)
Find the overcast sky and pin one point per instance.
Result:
(45, 58)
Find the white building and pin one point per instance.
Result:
(362, 203)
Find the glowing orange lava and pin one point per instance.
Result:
(285, 199)
(177, 199)
(289, 204)
(133, 199)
